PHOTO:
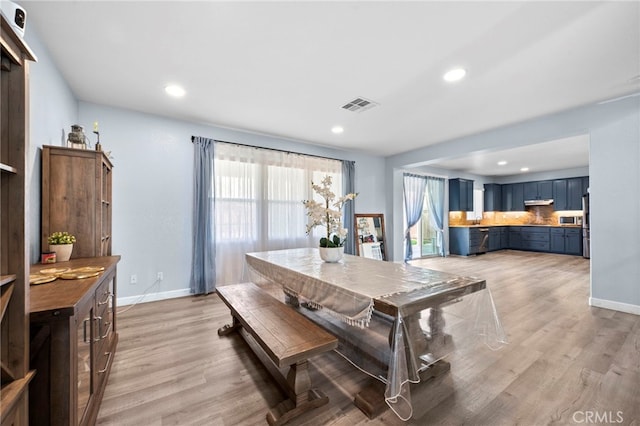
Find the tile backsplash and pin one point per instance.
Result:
(533, 215)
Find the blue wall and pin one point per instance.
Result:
(152, 190)
(53, 108)
(153, 179)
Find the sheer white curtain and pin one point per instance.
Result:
(258, 202)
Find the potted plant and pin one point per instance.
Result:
(328, 214)
(62, 244)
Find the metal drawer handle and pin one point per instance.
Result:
(99, 319)
(106, 300)
(84, 331)
(106, 366)
(108, 325)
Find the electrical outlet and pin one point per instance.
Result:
(160, 276)
(134, 279)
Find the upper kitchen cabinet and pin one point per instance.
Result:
(560, 201)
(460, 195)
(574, 194)
(541, 190)
(567, 193)
(492, 197)
(513, 197)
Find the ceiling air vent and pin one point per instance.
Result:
(359, 105)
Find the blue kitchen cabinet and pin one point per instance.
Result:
(535, 238)
(515, 237)
(466, 241)
(567, 193)
(574, 194)
(492, 197)
(573, 241)
(539, 190)
(504, 237)
(513, 197)
(560, 201)
(494, 238)
(498, 238)
(566, 241)
(460, 195)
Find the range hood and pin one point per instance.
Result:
(547, 202)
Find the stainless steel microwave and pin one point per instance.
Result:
(570, 220)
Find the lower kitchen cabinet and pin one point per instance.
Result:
(466, 241)
(73, 341)
(494, 238)
(535, 238)
(498, 238)
(515, 237)
(566, 241)
(474, 240)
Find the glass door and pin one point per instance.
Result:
(424, 234)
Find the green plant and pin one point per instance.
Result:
(61, 238)
(328, 214)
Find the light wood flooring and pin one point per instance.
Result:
(565, 363)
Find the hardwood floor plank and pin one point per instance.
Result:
(564, 358)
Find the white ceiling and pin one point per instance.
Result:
(560, 154)
(286, 68)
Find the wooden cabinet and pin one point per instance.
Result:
(74, 338)
(492, 197)
(460, 195)
(14, 259)
(76, 197)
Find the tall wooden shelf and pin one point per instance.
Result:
(76, 198)
(14, 241)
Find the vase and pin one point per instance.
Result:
(331, 254)
(63, 251)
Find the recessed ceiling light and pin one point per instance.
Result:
(455, 74)
(337, 129)
(174, 90)
(524, 169)
(502, 163)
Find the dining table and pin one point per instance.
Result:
(395, 321)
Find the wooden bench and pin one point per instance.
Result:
(281, 337)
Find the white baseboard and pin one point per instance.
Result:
(153, 297)
(616, 306)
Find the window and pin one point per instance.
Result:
(258, 202)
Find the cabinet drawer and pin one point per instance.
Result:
(535, 236)
(103, 358)
(535, 245)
